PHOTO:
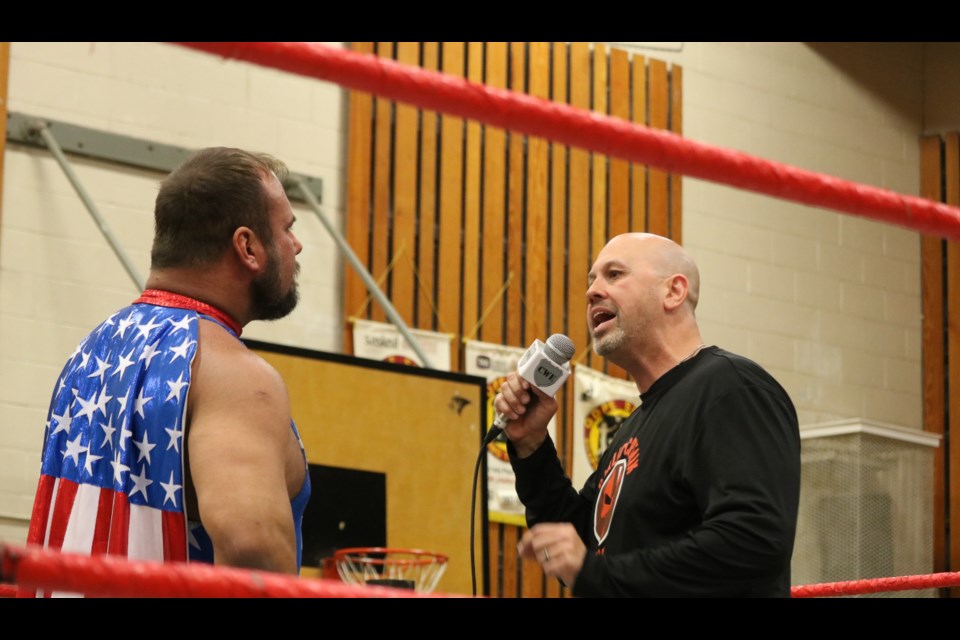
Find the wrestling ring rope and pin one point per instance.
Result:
(107, 576)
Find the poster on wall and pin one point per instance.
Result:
(494, 362)
(602, 403)
(383, 341)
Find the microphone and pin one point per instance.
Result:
(544, 365)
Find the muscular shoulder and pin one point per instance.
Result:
(226, 373)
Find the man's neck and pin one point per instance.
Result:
(206, 286)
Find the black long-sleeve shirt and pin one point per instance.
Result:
(696, 496)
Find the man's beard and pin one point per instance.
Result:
(612, 340)
(266, 300)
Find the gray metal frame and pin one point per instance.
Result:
(59, 137)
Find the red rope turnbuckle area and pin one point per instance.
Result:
(589, 130)
(33, 568)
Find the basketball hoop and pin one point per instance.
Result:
(401, 568)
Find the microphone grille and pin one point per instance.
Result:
(562, 345)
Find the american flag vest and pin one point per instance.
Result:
(111, 476)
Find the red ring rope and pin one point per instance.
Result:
(877, 585)
(108, 576)
(38, 568)
(590, 130)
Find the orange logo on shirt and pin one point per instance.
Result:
(624, 462)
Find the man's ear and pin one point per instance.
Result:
(677, 289)
(249, 249)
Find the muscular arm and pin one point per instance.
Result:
(239, 426)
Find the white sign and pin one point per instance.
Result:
(382, 341)
(602, 403)
(494, 362)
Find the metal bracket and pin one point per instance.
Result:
(121, 149)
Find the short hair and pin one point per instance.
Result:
(204, 200)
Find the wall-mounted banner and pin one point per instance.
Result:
(601, 405)
(383, 341)
(494, 362)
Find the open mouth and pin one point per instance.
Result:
(601, 319)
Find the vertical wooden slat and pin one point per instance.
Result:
(382, 191)
(536, 270)
(471, 204)
(638, 172)
(515, 213)
(449, 290)
(532, 575)
(511, 587)
(404, 196)
(952, 183)
(598, 190)
(4, 79)
(676, 180)
(619, 169)
(619, 212)
(427, 225)
(659, 103)
(357, 232)
(495, 558)
(494, 195)
(492, 249)
(557, 270)
(579, 221)
(553, 588)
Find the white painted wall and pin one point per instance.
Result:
(830, 304)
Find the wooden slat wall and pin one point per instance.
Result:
(475, 207)
(425, 298)
(940, 275)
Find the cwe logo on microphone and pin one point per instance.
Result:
(546, 373)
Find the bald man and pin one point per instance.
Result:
(697, 494)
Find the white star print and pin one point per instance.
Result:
(90, 460)
(124, 433)
(170, 489)
(139, 403)
(182, 323)
(145, 447)
(84, 359)
(149, 353)
(108, 430)
(140, 483)
(102, 401)
(89, 406)
(123, 403)
(74, 450)
(175, 435)
(145, 329)
(122, 365)
(63, 422)
(181, 351)
(101, 369)
(124, 325)
(118, 468)
(176, 388)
